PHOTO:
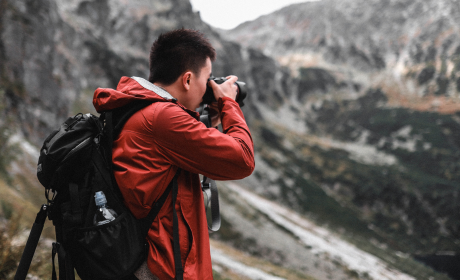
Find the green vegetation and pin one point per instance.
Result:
(411, 206)
(20, 199)
(427, 174)
(427, 141)
(9, 253)
(11, 250)
(8, 151)
(7, 209)
(312, 79)
(383, 191)
(217, 276)
(83, 103)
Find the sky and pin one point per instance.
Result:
(229, 14)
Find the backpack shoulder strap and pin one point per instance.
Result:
(176, 245)
(115, 120)
(148, 220)
(121, 115)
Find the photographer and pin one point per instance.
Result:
(166, 136)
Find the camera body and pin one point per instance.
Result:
(209, 98)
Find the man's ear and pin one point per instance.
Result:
(186, 78)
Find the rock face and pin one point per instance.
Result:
(414, 40)
(55, 53)
(52, 61)
(369, 121)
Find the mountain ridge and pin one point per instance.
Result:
(416, 42)
(326, 172)
(373, 80)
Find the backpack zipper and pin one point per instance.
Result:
(77, 148)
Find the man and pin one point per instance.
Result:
(168, 135)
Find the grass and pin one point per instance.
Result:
(12, 242)
(9, 252)
(402, 262)
(19, 214)
(21, 197)
(425, 179)
(319, 168)
(251, 261)
(8, 151)
(83, 103)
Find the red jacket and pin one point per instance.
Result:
(156, 141)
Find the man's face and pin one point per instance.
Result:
(198, 86)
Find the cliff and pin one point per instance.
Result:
(371, 122)
(414, 43)
(337, 138)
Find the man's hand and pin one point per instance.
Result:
(226, 89)
(214, 114)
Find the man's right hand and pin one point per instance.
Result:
(226, 89)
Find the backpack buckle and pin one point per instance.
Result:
(47, 195)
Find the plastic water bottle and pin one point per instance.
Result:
(104, 214)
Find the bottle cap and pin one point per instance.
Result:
(100, 198)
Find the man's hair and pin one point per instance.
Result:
(178, 51)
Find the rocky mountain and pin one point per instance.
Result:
(354, 175)
(375, 43)
(370, 120)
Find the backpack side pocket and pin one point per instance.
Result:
(120, 243)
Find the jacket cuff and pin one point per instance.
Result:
(221, 101)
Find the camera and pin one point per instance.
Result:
(209, 98)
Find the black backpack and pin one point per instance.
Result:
(74, 164)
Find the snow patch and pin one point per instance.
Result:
(28, 156)
(320, 240)
(362, 153)
(271, 174)
(25, 146)
(242, 269)
(409, 143)
(284, 116)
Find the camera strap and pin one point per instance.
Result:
(209, 187)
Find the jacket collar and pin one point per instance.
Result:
(158, 90)
(131, 89)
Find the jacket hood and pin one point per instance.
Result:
(128, 90)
